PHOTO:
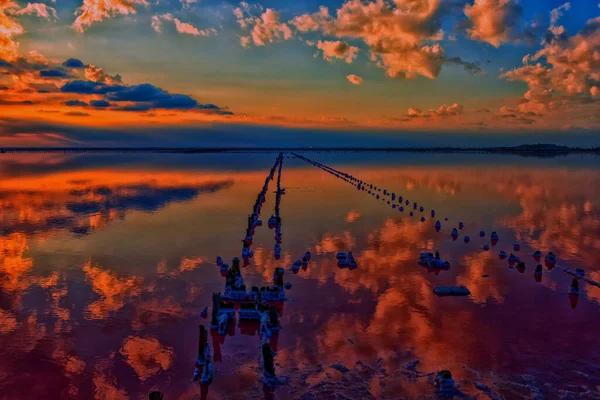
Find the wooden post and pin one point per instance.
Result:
(574, 287)
(268, 361)
(216, 299)
(279, 276)
(202, 340)
(235, 265)
(273, 317)
(230, 278)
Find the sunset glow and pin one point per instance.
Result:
(92, 72)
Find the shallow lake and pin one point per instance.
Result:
(106, 261)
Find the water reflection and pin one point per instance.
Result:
(146, 356)
(112, 290)
(112, 311)
(81, 206)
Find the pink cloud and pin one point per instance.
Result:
(414, 112)
(492, 21)
(156, 23)
(189, 29)
(338, 49)
(566, 70)
(181, 27)
(515, 116)
(267, 28)
(354, 79)
(245, 41)
(312, 22)
(442, 111)
(445, 111)
(93, 11)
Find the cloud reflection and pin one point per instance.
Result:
(81, 206)
(382, 314)
(113, 291)
(146, 356)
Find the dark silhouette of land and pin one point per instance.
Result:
(540, 149)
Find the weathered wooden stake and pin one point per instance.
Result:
(235, 265)
(268, 361)
(202, 340)
(574, 287)
(273, 317)
(214, 322)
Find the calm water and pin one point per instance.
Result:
(107, 260)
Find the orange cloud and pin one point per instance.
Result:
(93, 11)
(338, 49)
(442, 111)
(39, 9)
(414, 112)
(97, 74)
(9, 27)
(397, 34)
(492, 21)
(354, 79)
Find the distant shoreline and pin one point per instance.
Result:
(535, 149)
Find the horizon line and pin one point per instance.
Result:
(523, 148)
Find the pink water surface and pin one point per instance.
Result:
(107, 261)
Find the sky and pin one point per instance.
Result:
(311, 72)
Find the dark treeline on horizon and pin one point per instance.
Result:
(521, 149)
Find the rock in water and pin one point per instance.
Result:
(340, 367)
(451, 291)
(444, 382)
(412, 364)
